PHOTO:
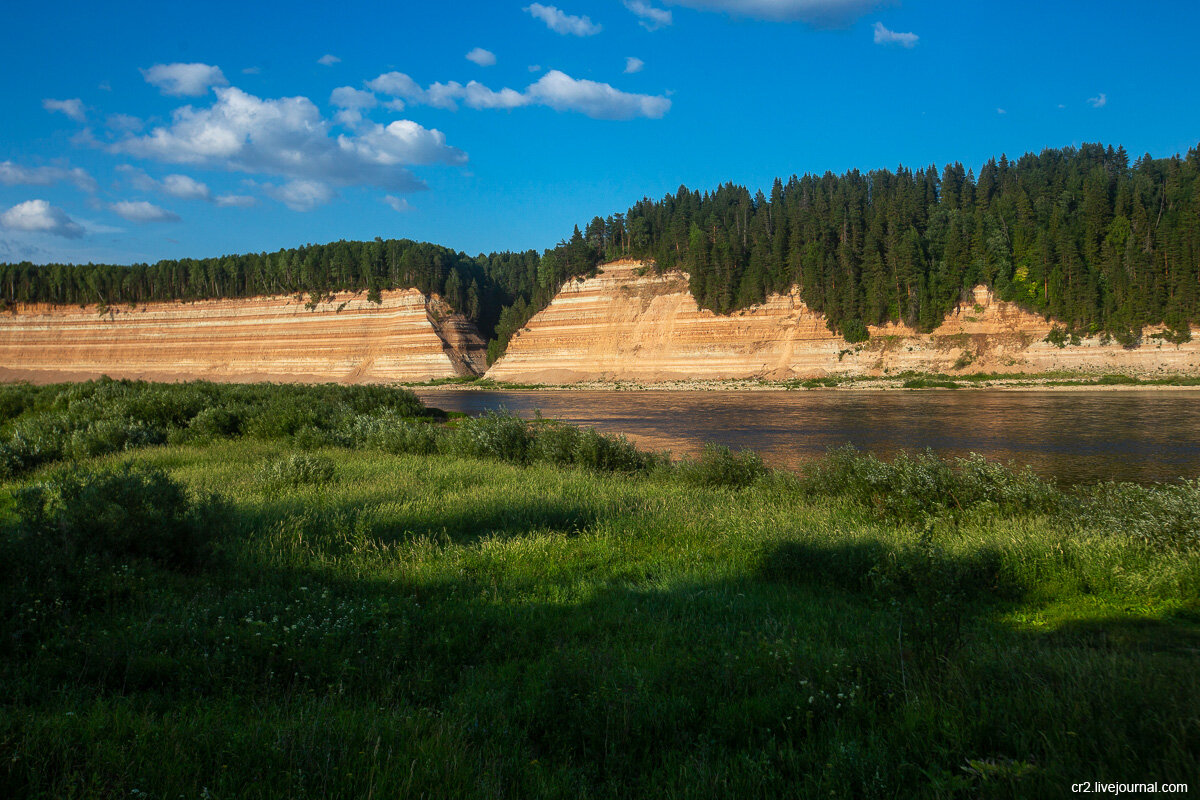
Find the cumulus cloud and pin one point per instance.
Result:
(352, 103)
(328, 60)
(884, 36)
(397, 203)
(651, 18)
(185, 188)
(820, 13)
(1100, 101)
(561, 22)
(555, 89)
(633, 65)
(184, 80)
(289, 138)
(141, 211)
(73, 108)
(38, 216)
(599, 100)
(15, 175)
(234, 200)
(302, 195)
(484, 58)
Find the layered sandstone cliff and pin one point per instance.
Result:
(346, 339)
(629, 324)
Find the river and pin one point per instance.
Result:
(1072, 436)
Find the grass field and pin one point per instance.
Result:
(354, 623)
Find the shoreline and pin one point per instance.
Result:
(910, 383)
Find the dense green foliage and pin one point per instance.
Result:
(501, 626)
(1080, 235)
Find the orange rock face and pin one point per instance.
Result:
(347, 340)
(629, 324)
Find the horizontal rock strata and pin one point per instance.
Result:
(628, 324)
(345, 339)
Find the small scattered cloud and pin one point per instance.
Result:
(352, 103)
(1099, 101)
(633, 65)
(123, 123)
(818, 13)
(484, 58)
(302, 195)
(234, 200)
(555, 90)
(185, 188)
(141, 211)
(1001, 111)
(397, 203)
(561, 22)
(885, 36)
(184, 80)
(73, 108)
(651, 18)
(252, 71)
(12, 174)
(104, 86)
(38, 216)
(535, 67)
(328, 60)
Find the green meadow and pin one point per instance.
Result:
(251, 592)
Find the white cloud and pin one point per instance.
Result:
(633, 65)
(820, 13)
(288, 137)
(1001, 111)
(397, 203)
(184, 80)
(884, 36)
(252, 70)
(352, 103)
(535, 67)
(561, 22)
(1099, 102)
(123, 123)
(234, 200)
(302, 195)
(484, 58)
(15, 175)
(185, 188)
(141, 211)
(555, 89)
(328, 60)
(73, 108)
(38, 216)
(599, 100)
(651, 18)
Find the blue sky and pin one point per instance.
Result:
(151, 130)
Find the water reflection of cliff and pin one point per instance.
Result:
(1072, 436)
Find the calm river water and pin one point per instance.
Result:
(1076, 437)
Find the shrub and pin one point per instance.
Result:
(1165, 516)
(556, 443)
(502, 436)
(215, 422)
(913, 487)
(720, 466)
(114, 514)
(391, 434)
(298, 469)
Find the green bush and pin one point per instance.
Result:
(501, 436)
(720, 466)
(113, 514)
(297, 469)
(1165, 516)
(215, 422)
(391, 433)
(557, 443)
(913, 487)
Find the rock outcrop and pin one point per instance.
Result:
(628, 324)
(345, 339)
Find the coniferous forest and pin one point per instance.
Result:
(1078, 234)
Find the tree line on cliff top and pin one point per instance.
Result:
(1078, 234)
